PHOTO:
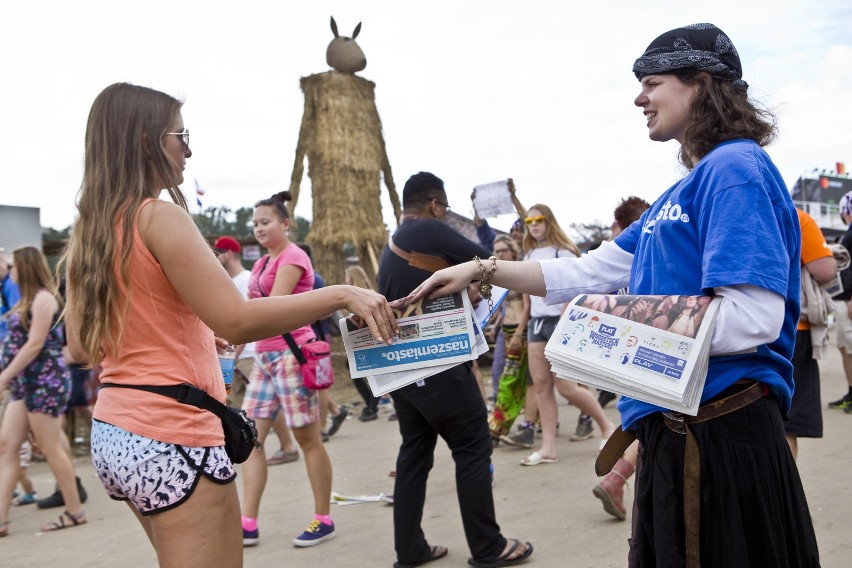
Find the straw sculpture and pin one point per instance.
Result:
(341, 135)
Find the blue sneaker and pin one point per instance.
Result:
(316, 533)
(251, 538)
(25, 499)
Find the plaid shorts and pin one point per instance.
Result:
(276, 383)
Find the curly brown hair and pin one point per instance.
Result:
(629, 210)
(721, 111)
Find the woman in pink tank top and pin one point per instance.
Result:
(146, 295)
(276, 383)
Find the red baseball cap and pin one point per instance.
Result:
(227, 243)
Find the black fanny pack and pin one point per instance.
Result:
(240, 431)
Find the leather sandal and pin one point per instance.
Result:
(75, 520)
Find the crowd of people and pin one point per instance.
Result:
(147, 303)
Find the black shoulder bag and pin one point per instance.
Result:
(240, 431)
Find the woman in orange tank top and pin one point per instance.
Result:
(146, 296)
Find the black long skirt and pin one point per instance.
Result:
(753, 508)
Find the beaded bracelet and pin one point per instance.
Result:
(485, 281)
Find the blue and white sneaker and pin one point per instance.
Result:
(316, 533)
(251, 538)
(25, 499)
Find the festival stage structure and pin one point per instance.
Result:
(818, 193)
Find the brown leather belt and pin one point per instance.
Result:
(615, 446)
(427, 262)
(679, 423)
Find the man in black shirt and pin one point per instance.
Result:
(448, 404)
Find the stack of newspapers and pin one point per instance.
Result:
(650, 348)
(435, 335)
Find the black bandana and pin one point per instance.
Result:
(702, 47)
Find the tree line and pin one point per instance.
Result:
(212, 222)
(216, 221)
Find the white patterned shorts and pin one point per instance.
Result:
(154, 476)
(276, 384)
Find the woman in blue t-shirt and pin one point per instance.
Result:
(723, 490)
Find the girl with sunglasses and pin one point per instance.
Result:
(145, 297)
(544, 240)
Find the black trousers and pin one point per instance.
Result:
(805, 417)
(371, 402)
(449, 405)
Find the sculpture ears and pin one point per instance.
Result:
(357, 30)
(334, 27)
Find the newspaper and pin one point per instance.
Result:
(651, 348)
(388, 382)
(483, 312)
(343, 500)
(435, 335)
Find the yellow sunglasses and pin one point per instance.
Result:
(536, 219)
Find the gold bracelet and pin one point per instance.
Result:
(485, 281)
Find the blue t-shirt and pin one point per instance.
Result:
(11, 296)
(730, 221)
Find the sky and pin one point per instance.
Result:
(475, 92)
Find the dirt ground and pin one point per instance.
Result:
(550, 505)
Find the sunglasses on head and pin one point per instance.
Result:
(536, 219)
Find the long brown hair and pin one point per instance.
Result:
(33, 276)
(554, 234)
(125, 164)
(721, 111)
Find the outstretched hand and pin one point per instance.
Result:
(442, 283)
(374, 310)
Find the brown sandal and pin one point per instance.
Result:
(4, 528)
(78, 519)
